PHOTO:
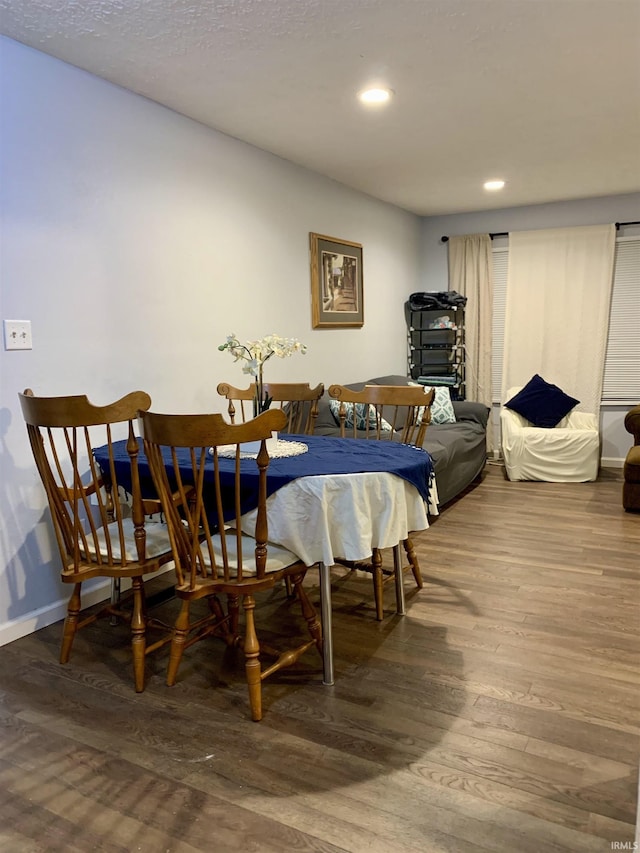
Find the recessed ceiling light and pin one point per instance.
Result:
(375, 96)
(492, 186)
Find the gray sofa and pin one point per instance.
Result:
(458, 450)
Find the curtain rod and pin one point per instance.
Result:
(506, 233)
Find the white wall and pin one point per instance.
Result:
(593, 211)
(135, 240)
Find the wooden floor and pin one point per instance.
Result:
(501, 714)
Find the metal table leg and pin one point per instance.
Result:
(327, 633)
(397, 565)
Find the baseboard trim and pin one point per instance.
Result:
(611, 462)
(36, 619)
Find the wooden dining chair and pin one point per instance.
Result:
(100, 531)
(384, 413)
(297, 399)
(213, 558)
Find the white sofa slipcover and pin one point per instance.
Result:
(566, 453)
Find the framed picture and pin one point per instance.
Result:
(336, 283)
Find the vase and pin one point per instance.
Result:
(261, 400)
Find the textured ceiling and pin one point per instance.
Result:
(544, 93)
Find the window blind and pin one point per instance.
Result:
(621, 383)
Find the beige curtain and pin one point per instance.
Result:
(471, 274)
(557, 309)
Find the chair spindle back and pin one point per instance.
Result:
(198, 460)
(297, 399)
(384, 412)
(87, 503)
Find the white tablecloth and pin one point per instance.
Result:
(320, 518)
(343, 515)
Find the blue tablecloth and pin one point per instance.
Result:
(326, 456)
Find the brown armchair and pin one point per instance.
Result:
(631, 487)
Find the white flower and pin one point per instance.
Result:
(251, 367)
(255, 353)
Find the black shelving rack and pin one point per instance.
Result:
(435, 344)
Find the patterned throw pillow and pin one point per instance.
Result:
(363, 411)
(441, 408)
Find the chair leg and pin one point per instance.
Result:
(252, 664)
(308, 611)
(413, 562)
(180, 634)
(70, 624)
(378, 583)
(138, 633)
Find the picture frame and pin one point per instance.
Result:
(336, 283)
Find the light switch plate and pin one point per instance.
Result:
(17, 334)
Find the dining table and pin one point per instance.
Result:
(328, 498)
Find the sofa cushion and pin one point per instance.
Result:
(541, 403)
(393, 379)
(469, 410)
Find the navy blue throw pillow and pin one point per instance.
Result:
(542, 403)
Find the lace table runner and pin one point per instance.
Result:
(277, 450)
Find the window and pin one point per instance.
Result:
(621, 382)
